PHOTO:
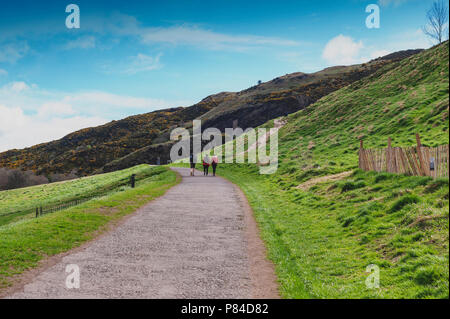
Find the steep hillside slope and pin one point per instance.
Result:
(136, 139)
(322, 235)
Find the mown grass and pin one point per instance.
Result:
(25, 243)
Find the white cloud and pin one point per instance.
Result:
(3, 72)
(191, 35)
(395, 3)
(17, 87)
(12, 52)
(18, 130)
(30, 115)
(104, 100)
(121, 25)
(31, 98)
(412, 39)
(143, 63)
(10, 119)
(87, 42)
(53, 108)
(342, 50)
(379, 53)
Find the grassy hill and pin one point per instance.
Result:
(143, 138)
(323, 233)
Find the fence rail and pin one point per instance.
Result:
(417, 161)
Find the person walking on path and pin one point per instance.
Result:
(191, 160)
(214, 162)
(206, 161)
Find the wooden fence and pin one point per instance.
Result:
(418, 160)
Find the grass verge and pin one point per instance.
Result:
(321, 240)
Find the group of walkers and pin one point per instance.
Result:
(206, 163)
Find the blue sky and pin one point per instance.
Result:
(133, 57)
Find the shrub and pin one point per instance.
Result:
(14, 178)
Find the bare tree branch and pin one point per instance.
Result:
(437, 18)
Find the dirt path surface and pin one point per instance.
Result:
(199, 240)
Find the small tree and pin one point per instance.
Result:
(437, 18)
(16, 179)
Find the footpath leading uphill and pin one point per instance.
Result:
(199, 240)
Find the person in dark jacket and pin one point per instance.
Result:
(191, 160)
(206, 164)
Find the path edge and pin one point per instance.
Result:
(262, 270)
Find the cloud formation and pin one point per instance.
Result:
(186, 34)
(86, 42)
(396, 3)
(31, 115)
(12, 52)
(342, 50)
(18, 130)
(143, 63)
(195, 36)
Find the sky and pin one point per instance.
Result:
(131, 57)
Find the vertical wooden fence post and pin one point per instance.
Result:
(389, 156)
(423, 170)
(448, 161)
(361, 156)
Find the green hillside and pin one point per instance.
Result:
(323, 234)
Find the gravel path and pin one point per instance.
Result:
(196, 241)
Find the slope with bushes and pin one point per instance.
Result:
(86, 150)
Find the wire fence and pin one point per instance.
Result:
(41, 210)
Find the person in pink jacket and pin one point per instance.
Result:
(214, 162)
